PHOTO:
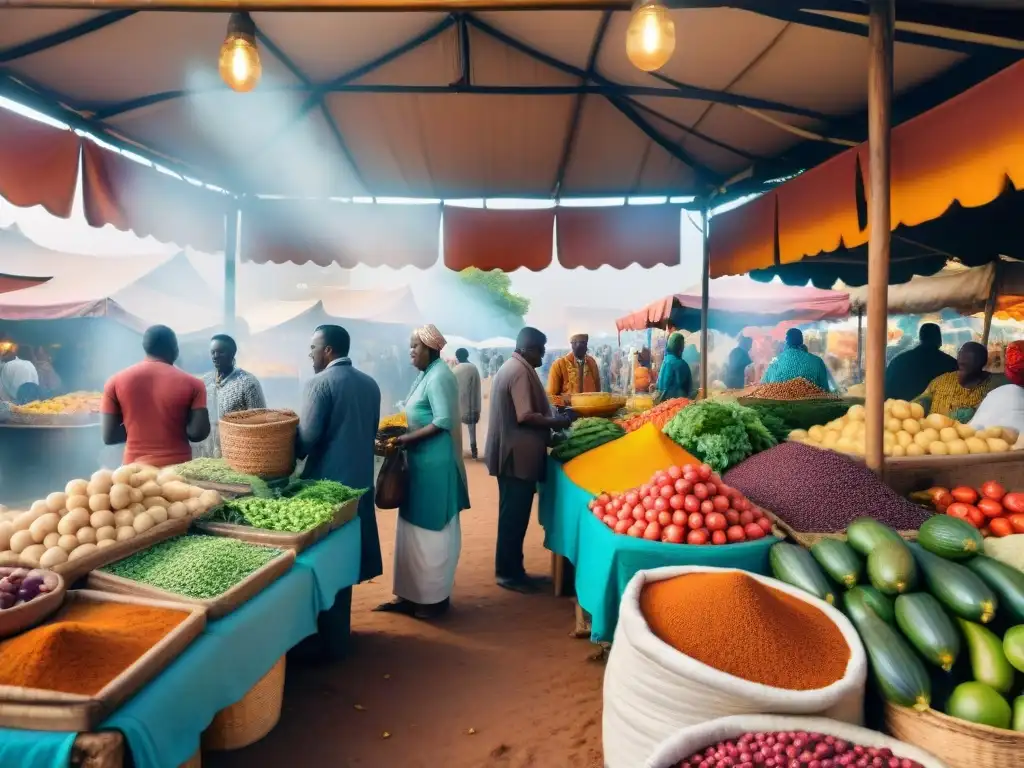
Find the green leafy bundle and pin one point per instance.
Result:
(721, 434)
(586, 435)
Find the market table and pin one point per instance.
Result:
(605, 561)
(163, 723)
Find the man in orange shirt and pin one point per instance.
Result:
(155, 408)
(574, 373)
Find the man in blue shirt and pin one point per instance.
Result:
(795, 362)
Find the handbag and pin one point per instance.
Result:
(392, 481)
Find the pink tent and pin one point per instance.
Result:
(738, 302)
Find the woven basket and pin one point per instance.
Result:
(196, 761)
(259, 442)
(959, 743)
(249, 720)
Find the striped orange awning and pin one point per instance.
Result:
(965, 150)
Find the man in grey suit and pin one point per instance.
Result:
(337, 429)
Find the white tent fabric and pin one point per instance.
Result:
(964, 289)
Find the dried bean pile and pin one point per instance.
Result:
(816, 490)
(793, 748)
(794, 389)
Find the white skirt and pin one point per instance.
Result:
(425, 561)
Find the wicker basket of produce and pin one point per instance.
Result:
(253, 717)
(962, 744)
(260, 441)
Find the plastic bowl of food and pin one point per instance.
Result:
(27, 597)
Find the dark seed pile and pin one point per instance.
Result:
(815, 490)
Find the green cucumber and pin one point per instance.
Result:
(1018, 714)
(979, 703)
(795, 566)
(866, 533)
(881, 604)
(891, 568)
(1013, 647)
(950, 538)
(961, 590)
(1007, 582)
(988, 661)
(899, 672)
(839, 560)
(930, 630)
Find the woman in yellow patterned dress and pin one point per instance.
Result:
(959, 394)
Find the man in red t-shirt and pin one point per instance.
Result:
(154, 407)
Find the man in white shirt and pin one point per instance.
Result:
(14, 372)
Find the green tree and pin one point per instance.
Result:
(497, 286)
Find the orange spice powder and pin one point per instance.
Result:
(85, 646)
(747, 629)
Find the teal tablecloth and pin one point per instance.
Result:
(605, 561)
(164, 721)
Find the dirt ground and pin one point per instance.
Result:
(497, 683)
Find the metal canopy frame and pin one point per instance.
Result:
(993, 39)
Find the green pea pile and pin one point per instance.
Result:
(285, 515)
(200, 567)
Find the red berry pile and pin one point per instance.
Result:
(794, 749)
(683, 505)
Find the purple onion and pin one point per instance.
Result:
(7, 600)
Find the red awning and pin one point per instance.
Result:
(9, 283)
(738, 302)
(38, 164)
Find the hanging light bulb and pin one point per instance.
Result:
(239, 60)
(651, 36)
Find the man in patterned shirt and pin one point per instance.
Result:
(795, 362)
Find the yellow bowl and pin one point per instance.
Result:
(595, 398)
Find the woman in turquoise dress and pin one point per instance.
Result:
(674, 377)
(428, 537)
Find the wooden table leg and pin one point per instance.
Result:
(104, 749)
(558, 573)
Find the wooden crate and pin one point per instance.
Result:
(917, 473)
(39, 710)
(73, 570)
(215, 607)
(281, 539)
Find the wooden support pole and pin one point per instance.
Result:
(705, 281)
(860, 346)
(231, 226)
(880, 79)
(990, 305)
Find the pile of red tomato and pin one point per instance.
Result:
(990, 508)
(683, 505)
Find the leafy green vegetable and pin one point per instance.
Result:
(218, 471)
(299, 507)
(720, 433)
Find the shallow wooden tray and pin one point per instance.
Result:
(281, 539)
(40, 710)
(346, 513)
(234, 490)
(216, 607)
(27, 615)
(75, 569)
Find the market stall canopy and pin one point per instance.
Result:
(495, 102)
(117, 288)
(335, 305)
(10, 283)
(957, 172)
(965, 289)
(737, 302)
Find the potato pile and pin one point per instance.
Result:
(93, 514)
(908, 432)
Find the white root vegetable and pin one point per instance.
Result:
(86, 535)
(51, 540)
(105, 533)
(155, 501)
(76, 487)
(125, 517)
(103, 543)
(53, 556)
(101, 518)
(74, 502)
(9, 557)
(56, 501)
(43, 525)
(209, 499)
(159, 514)
(81, 551)
(6, 531)
(39, 508)
(167, 476)
(125, 532)
(143, 522)
(151, 488)
(176, 511)
(20, 540)
(99, 502)
(120, 497)
(123, 474)
(136, 509)
(68, 542)
(193, 506)
(32, 554)
(70, 523)
(176, 491)
(195, 491)
(24, 520)
(137, 495)
(96, 487)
